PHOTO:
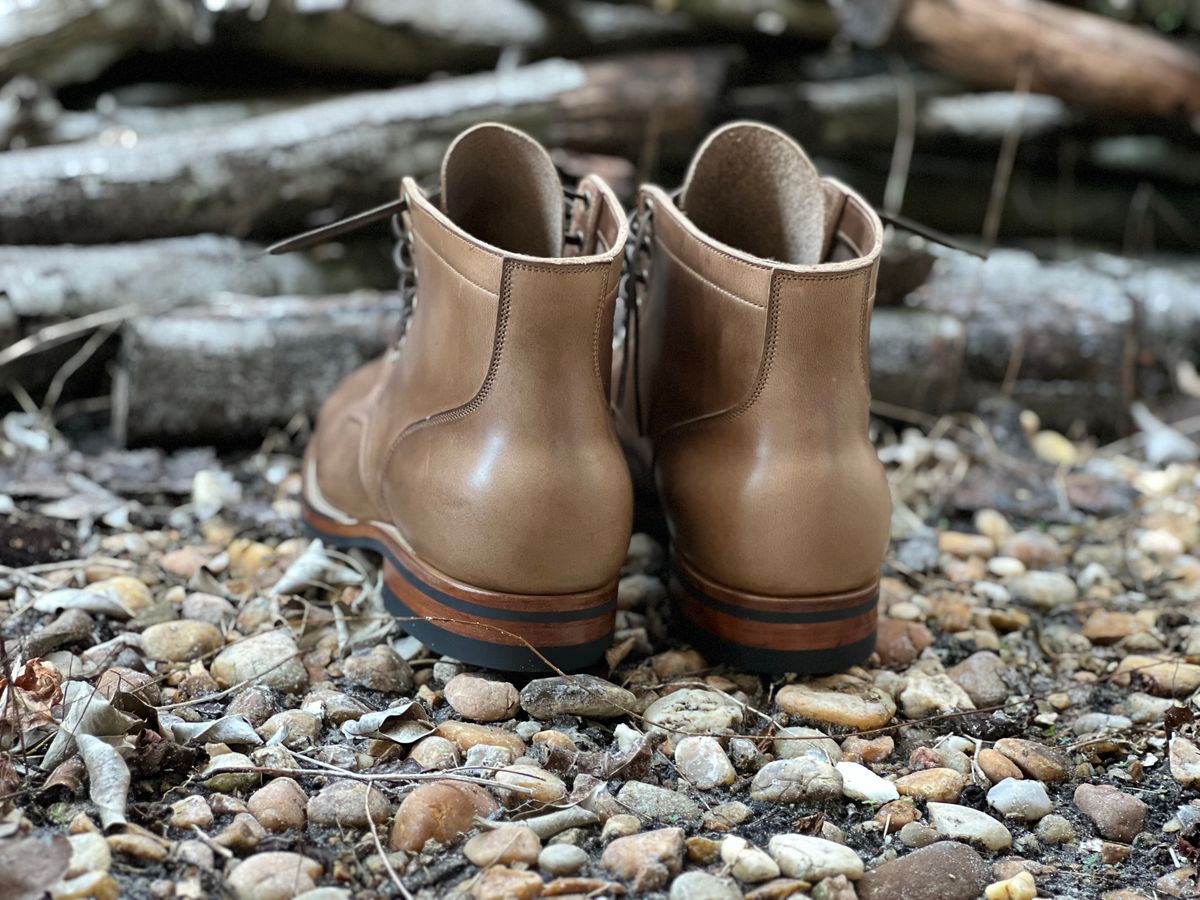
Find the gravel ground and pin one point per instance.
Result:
(201, 702)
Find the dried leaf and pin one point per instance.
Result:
(108, 779)
(28, 701)
(88, 712)
(29, 865)
(88, 601)
(314, 566)
(69, 775)
(227, 730)
(404, 724)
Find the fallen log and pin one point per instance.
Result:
(811, 19)
(850, 114)
(1073, 341)
(1083, 58)
(414, 39)
(231, 370)
(264, 176)
(73, 280)
(67, 41)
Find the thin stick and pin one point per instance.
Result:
(1004, 164)
(387, 863)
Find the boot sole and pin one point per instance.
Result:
(470, 624)
(755, 633)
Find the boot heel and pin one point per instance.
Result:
(808, 635)
(477, 626)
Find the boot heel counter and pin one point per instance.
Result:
(526, 489)
(785, 494)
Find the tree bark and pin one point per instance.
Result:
(42, 282)
(228, 372)
(1083, 58)
(263, 176)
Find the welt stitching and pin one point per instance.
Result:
(667, 250)
(864, 333)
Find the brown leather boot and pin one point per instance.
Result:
(747, 371)
(479, 457)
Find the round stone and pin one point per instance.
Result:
(279, 805)
(482, 699)
(967, 824)
(697, 885)
(812, 858)
(793, 780)
(693, 710)
(349, 804)
(503, 846)
(1020, 799)
(942, 871)
(382, 669)
(1118, 816)
(180, 641)
(562, 859)
(273, 876)
(839, 700)
(703, 762)
(795, 741)
(939, 783)
(271, 659)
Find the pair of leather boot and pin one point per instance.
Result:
(487, 456)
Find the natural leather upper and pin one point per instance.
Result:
(486, 439)
(752, 371)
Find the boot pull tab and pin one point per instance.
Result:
(323, 233)
(930, 234)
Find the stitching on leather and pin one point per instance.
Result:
(769, 347)
(864, 333)
(667, 250)
(596, 323)
(417, 239)
(471, 405)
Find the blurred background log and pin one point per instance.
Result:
(1097, 63)
(153, 143)
(228, 372)
(263, 175)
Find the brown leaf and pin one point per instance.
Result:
(35, 690)
(68, 775)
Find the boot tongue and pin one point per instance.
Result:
(499, 185)
(752, 187)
